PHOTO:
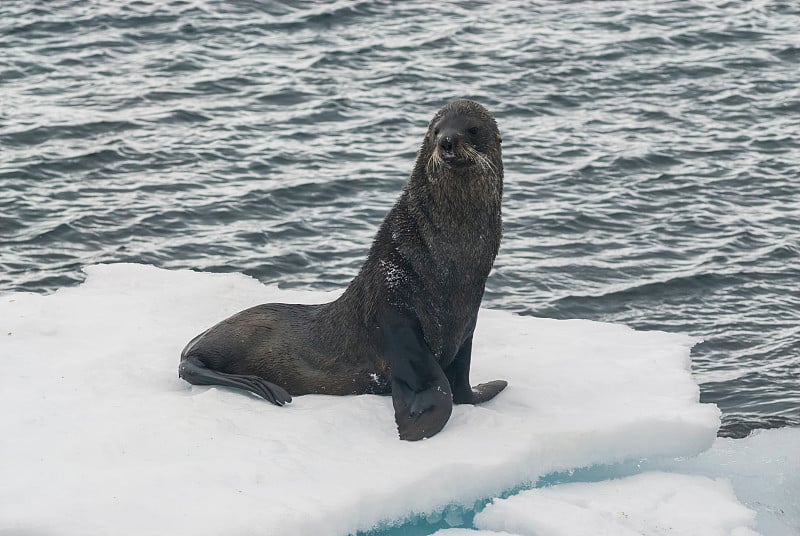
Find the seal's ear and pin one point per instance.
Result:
(499, 138)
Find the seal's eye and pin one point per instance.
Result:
(473, 131)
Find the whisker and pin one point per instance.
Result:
(482, 160)
(433, 166)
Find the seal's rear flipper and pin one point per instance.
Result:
(195, 372)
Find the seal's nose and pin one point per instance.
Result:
(446, 143)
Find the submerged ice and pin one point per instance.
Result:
(104, 438)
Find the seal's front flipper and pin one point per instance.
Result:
(421, 393)
(195, 372)
(421, 414)
(487, 391)
(458, 376)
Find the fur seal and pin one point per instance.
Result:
(404, 325)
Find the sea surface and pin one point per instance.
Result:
(651, 148)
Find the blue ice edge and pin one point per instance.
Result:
(459, 516)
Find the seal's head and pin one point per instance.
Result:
(461, 137)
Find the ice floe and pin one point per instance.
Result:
(101, 437)
(647, 503)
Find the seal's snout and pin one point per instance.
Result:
(447, 144)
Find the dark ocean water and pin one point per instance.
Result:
(652, 155)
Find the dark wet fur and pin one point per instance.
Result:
(404, 325)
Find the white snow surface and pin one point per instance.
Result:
(100, 436)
